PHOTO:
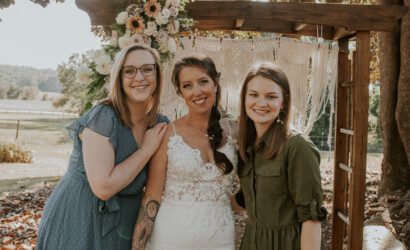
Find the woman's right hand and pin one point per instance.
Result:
(152, 138)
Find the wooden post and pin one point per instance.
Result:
(341, 146)
(17, 129)
(360, 123)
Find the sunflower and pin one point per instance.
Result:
(152, 8)
(135, 24)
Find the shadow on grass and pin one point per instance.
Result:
(38, 124)
(16, 185)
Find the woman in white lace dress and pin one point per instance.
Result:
(191, 175)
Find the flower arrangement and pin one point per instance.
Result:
(156, 23)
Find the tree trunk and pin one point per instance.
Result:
(395, 123)
(394, 107)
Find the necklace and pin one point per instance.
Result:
(203, 132)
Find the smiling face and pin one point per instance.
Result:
(263, 102)
(138, 89)
(197, 88)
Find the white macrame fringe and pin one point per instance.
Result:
(311, 69)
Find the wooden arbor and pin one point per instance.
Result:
(341, 23)
(337, 22)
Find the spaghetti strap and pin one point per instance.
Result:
(229, 127)
(173, 127)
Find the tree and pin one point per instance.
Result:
(73, 92)
(43, 3)
(50, 84)
(395, 117)
(29, 93)
(13, 92)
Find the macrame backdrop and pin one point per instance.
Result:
(311, 69)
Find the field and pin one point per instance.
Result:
(43, 133)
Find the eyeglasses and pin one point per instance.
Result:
(131, 71)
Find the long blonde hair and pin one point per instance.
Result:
(246, 126)
(117, 97)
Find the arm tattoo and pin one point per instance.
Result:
(145, 222)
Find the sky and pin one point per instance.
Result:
(31, 35)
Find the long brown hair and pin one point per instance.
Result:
(214, 127)
(117, 97)
(280, 130)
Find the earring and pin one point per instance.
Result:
(278, 119)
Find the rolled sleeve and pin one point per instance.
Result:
(304, 179)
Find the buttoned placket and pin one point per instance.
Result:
(256, 157)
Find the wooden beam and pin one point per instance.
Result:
(357, 187)
(353, 17)
(340, 32)
(263, 26)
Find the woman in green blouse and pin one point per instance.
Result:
(279, 173)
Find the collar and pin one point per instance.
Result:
(262, 142)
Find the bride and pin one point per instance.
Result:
(191, 175)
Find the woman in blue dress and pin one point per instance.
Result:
(95, 204)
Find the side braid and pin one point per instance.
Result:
(215, 134)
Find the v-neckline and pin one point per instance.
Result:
(203, 162)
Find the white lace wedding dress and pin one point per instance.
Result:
(195, 212)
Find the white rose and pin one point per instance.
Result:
(172, 45)
(166, 13)
(125, 41)
(161, 36)
(151, 29)
(103, 64)
(160, 19)
(83, 75)
(97, 54)
(174, 11)
(122, 17)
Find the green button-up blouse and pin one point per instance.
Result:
(281, 193)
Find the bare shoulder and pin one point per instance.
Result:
(178, 124)
(169, 132)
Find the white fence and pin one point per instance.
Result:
(40, 113)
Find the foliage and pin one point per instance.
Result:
(232, 34)
(375, 60)
(12, 152)
(74, 92)
(21, 93)
(6, 3)
(43, 3)
(151, 22)
(13, 92)
(320, 130)
(374, 128)
(20, 76)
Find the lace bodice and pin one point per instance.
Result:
(190, 179)
(195, 212)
